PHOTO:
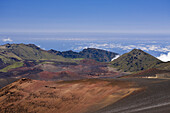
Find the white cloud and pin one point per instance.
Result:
(117, 56)
(111, 46)
(7, 40)
(164, 57)
(80, 48)
(144, 48)
(153, 47)
(62, 39)
(39, 46)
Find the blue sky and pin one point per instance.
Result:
(119, 16)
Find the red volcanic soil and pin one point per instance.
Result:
(78, 96)
(60, 71)
(91, 62)
(84, 69)
(46, 75)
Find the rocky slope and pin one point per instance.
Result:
(54, 70)
(134, 61)
(28, 96)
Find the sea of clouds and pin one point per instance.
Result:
(164, 57)
(161, 52)
(156, 47)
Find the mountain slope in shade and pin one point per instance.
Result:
(135, 60)
(161, 70)
(91, 53)
(163, 66)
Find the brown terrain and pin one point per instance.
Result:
(85, 85)
(148, 73)
(52, 71)
(77, 96)
(154, 98)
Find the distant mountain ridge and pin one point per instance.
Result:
(14, 55)
(135, 60)
(91, 53)
(27, 51)
(28, 60)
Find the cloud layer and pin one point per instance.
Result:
(117, 56)
(164, 57)
(7, 40)
(127, 47)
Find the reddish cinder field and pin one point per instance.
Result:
(78, 96)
